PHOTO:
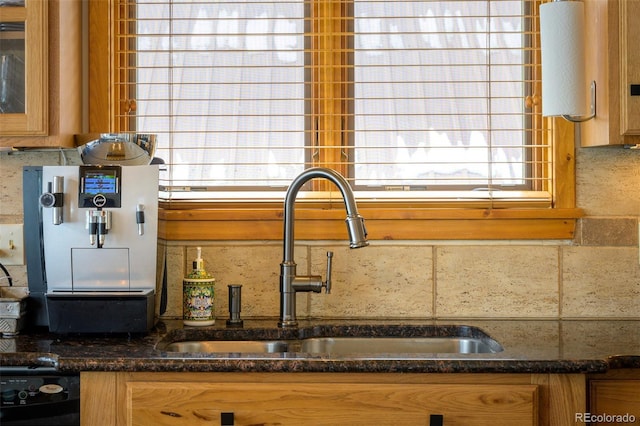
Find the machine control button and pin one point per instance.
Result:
(9, 395)
(23, 394)
(51, 388)
(99, 200)
(47, 199)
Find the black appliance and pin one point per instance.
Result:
(38, 396)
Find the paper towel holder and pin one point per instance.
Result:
(562, 46)
(578, 119)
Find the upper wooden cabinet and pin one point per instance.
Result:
(613, 61)
(48, 54)
(23, 67)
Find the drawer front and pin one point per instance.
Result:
(612, 400)
(184, 403)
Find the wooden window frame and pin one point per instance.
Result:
(318, 220)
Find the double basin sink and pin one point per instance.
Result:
(342, 341)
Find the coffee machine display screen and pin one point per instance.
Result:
(100, 182)
(100, 186)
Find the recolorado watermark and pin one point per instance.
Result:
(605, 418)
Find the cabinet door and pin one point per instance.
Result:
(184, 403)
(630, 67)
(613, 62)
(615, 398)
(23, 68)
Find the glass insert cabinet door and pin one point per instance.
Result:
(23, 67)
(12, 93)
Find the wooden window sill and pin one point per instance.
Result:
(418, 223)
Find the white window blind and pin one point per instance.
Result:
(222, 84)
(398, 95)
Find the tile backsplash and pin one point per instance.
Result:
(596, 275)
(422, 280)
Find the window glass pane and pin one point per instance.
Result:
(439, 93)
(222, 83)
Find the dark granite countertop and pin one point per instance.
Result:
(529, 346)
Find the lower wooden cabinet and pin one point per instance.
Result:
(320, 399)
(153, 403)
(614, 399)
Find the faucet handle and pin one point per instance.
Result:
(327, 283)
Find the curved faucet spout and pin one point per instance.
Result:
(290, 282)
(355, 222)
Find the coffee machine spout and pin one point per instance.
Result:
(98, 223)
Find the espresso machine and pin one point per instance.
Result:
(94, 269)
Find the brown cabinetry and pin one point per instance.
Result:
(615, 398)
(326, 399)
(613, 61)
(23, 67)
(186, 403)
(47, 60)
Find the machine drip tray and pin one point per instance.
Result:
(99, 294)
(101, 312)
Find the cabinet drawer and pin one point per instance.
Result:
(188, 403)
(614, 398)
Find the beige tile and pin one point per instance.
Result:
(600, 282)
(607, 181)
(541, 338)
(583, 339)
(11, 182)
(497, 281)
(255, 267)
(383, 281)
(175, 273)
(18, 276)
(609, 232)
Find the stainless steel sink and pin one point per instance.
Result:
(395, 345)
(229, 346)
(344, 346)
(379, 341)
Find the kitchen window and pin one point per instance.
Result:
(428, 108)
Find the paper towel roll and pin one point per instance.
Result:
(564, 90)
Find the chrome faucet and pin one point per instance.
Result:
(290, 283)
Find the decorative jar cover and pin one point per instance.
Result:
(199, 295)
